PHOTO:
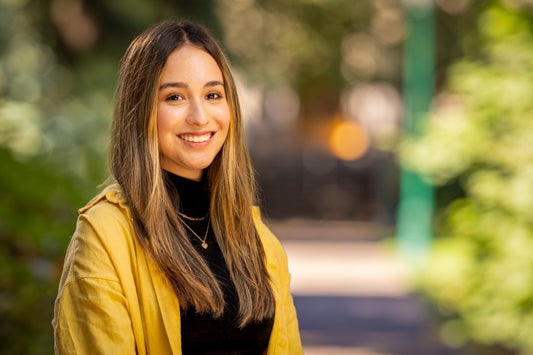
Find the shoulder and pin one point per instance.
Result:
(103, 239)
(104, 225)
(111, 200)
(108, 212)
(109, 216)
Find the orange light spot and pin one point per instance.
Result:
(348, 140)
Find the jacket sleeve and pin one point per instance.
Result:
(285, 338)
(291, 319)
(91, 312)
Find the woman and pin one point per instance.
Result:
(172, 258)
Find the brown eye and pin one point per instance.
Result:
(174, 97)
(213, 96)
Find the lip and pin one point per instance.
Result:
(196, 138)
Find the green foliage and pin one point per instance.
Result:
(480, 273)
(38, 208)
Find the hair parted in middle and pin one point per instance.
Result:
(134, 160)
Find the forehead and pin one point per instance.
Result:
(190, 63)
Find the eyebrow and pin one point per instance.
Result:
(182, 85)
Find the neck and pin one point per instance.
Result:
(189, 175)
(192, 195)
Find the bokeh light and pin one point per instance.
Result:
(348, 140)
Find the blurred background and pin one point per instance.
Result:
(391, 141)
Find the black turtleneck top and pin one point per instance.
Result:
(203, 334)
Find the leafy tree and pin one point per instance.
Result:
(481, 271)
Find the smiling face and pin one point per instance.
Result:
(193, 115)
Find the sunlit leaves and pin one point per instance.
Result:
(481, 273)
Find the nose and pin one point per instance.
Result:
(197, 115)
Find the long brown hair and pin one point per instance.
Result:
(136, 167)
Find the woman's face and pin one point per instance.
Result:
(193, 115)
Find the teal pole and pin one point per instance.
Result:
(415, 210)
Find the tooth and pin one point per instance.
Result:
(196, 139)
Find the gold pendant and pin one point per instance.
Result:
(204, 245)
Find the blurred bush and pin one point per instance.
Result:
(480, 272)
(37, 220)
(50, 167)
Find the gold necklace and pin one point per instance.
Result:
(204, 244)
(193, 218)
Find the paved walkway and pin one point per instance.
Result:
(352, 295)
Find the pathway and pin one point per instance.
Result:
(352, 295)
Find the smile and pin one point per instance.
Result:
(196, 138)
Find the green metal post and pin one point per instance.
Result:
(415, 210)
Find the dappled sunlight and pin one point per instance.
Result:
(353, 295)
(341, 258)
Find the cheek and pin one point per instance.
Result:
(225, 120)
(164, 121)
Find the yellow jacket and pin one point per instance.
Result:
(114, 300)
